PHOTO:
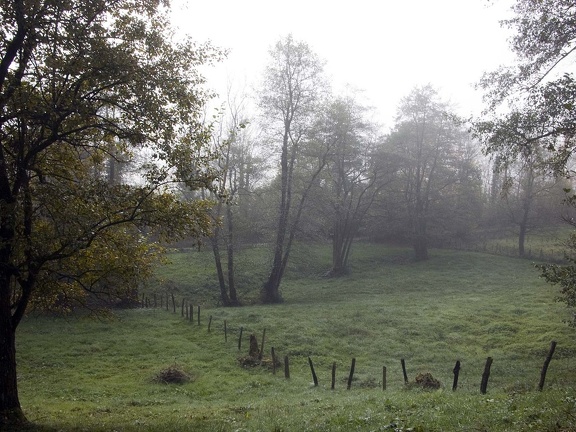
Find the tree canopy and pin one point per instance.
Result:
(532, 102)
(80, 83)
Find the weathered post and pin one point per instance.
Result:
(456, 371)
(198, 315)
(286, 368)
(351, 373)
(383, 377)
(485, 375)
(225, 332)
(403, 363)
(240, 338)
(173, 303)
(209, 323)
(314, 377)
(545, 366)
(273, 361)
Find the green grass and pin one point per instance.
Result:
(87, 375)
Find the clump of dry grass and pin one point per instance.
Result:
(172, 375)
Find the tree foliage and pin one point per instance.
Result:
(531, 110)
(532, 102)
(82, 82)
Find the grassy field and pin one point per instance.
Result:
(82, 374)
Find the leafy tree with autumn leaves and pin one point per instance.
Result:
(82, 82)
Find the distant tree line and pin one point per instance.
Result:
(312, 165)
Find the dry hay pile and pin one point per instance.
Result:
(253, 361)
(426, 381)
(172, 375)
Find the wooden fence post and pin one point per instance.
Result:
(333, 375)
(240, 338)
(173, 303)
(209, 323)
(273, 361)
(225, 332)
(456, 371)
(191, 312)
(351, 373)
(182, 308)
(545, 366)
(286, 368)
(485, 375)
(403, 363)
(383, 377)
(155, 304)
(198, 315)
(314, 377)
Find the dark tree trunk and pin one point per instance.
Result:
(271, 289)
(219, 271)
(10, 411)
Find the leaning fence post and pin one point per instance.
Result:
(485, 375)
(545, 366)
(403, 363)
(314, 377)
(351, 373)
(456, 371)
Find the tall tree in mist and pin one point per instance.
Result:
(289, 97)
(355, 173)
(425, 137)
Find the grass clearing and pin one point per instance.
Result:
(86, 375)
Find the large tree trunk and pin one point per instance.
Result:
(271, 289)
(10, 411)
(219, 271)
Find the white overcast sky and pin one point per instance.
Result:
(383, 47)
